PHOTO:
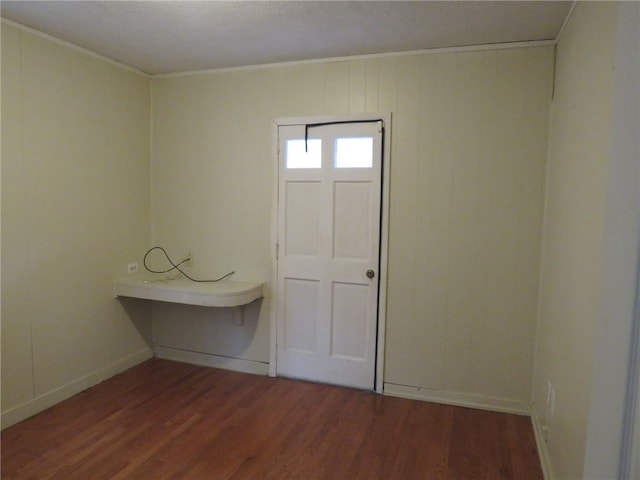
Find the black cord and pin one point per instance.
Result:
(337, 122)
(177, 267)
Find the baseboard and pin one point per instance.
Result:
(210, 360)
(49, 399)
(543, 451)
(459, 399)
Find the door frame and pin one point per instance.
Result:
(384, 233)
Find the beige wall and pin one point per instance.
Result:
(467, 175)
(590, 243)
(75, 211)
(468, 143)
(610, 449)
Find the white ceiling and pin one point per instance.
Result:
(160, 37)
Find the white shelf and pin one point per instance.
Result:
(168, 288)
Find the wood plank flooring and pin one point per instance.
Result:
(169, 420)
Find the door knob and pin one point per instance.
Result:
(371, 273)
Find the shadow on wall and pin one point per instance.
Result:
(208, 330)
(139, 312)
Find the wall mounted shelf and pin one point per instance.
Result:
(177, 289)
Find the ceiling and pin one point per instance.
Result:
(160, 37)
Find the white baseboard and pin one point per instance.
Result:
(210, 360)
(459, 399)
(543, 451)
(49, 399)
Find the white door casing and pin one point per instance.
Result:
(328, 239)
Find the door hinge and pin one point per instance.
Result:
(277, 251)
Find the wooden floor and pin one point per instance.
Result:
(169, 420)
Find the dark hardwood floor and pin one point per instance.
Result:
(169, 420)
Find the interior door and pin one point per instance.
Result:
(329, 202)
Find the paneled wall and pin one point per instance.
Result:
(75, 211)
(574, 225)
(468, 141)
(589, 261)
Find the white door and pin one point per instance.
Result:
(329, 202)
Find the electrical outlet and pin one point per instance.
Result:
(551, 398)
(545, 432)
(132, 267)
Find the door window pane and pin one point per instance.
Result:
(298, 158)
(356, 152)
